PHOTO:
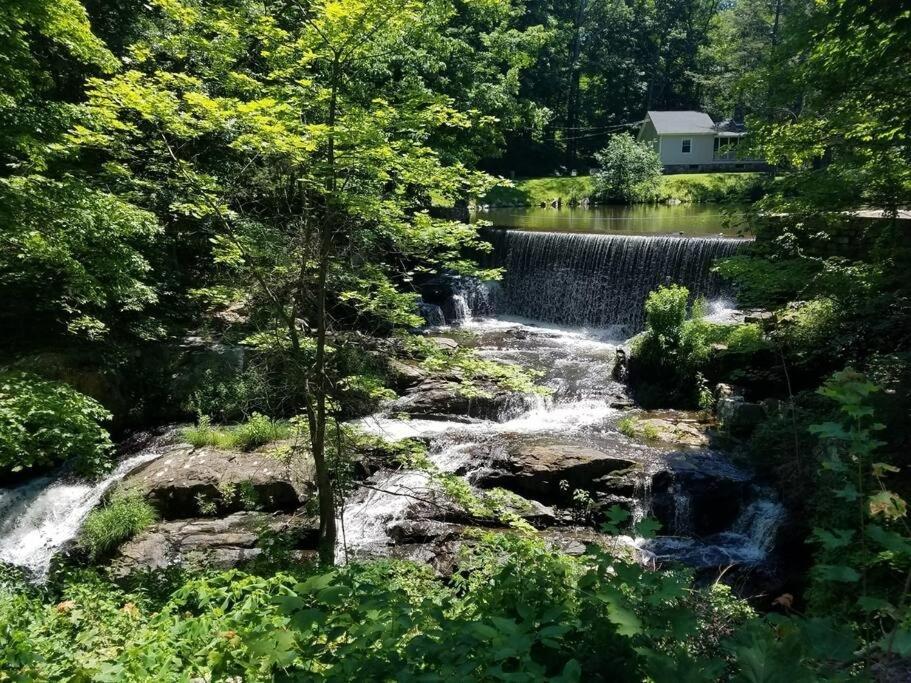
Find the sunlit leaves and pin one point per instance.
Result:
(83, 250)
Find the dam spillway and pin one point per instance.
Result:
(593, 280)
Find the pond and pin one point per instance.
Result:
(641, 219)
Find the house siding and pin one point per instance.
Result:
(702, 149)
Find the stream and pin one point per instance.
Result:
(674, 484)
(567, 303)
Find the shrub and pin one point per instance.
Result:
(670, 359)
(124, 516)
(665, 312)
(44, 423)
(629, 170)
(519, 610)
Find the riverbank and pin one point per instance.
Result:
(695, 188)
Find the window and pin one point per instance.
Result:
(687, 145)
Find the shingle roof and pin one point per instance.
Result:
(670, 122)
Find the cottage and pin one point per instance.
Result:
(689, 141)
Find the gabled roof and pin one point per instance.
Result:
(676, 122)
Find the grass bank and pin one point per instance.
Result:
(693, 188)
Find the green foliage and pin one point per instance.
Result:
(665, 313)
(44, 423)
(628, 170)
(696, 188)
(473, 370)
(126, 514)
(864, 544)
(519, 610)
(83, 268)
(766, 282)
(538, 191)
(635, 428)
(257, 431)
(670, 360)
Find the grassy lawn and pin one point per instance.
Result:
(684, 187)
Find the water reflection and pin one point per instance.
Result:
(642, 219)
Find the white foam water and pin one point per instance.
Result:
(39, 517)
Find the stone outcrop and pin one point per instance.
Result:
(738, 416)
(539, 470)
(440, 398)
(221, 543)
(187, 482)
(683, 432)
(404, 374)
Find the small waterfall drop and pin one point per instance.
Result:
(598, 280)
(40, 516)
(760, 521)
(461, 311)
(683, 514)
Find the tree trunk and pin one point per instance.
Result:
(316, 412)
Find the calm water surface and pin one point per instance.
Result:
(648, 219)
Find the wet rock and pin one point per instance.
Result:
(620, 370)
(537, 470)
(438, 507)
(432, 314)
(220, 543)
(180, 482)
(438, 398)
(423, 531)
(698, 494)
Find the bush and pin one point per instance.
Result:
(124, 516)
(44, 423)
(670, 359)
(630, 171)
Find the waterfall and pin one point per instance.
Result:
(461, 311)
(598, 280)
(40, 516)
(683, 514)
(759, 522)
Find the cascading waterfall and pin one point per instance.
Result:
(595, 280)
(39, 517)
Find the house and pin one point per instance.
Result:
(690, 141)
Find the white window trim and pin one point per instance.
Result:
(686, 151)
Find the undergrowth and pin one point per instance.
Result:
(258, 431)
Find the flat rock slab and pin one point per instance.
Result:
(438, 398)
(220, 543)
(538, 470)
(184, 482)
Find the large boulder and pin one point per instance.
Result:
(220, 543)
(187, 482)
(404, 374)
(538, 470)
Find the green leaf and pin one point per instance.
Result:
(834, 539)
(840, 573)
